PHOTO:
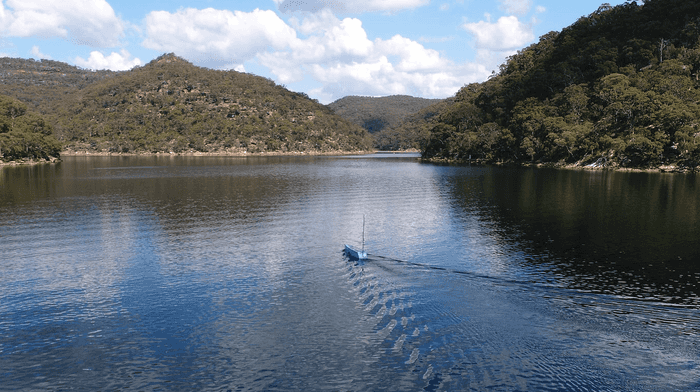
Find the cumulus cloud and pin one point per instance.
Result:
(343, 6)
(507, 34)
(85, 22)
(316, 47)
(411, 55)
(36, 53)
(380, 78)
(328, 40)
(121, 61)
(213, 36)
(339, 54)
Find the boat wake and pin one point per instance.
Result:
(447, 329)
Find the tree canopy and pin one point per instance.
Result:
(378, 113)
(24, 135)
(617, 88)
(170, 105)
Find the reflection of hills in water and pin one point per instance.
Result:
(631, 234)
(229, 272)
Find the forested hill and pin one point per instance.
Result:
(41, 84)
(170, 105)
(617, 88)
(378, 113)
(413, 131)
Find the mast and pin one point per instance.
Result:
(363, 233)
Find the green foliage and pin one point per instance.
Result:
(24, 135)
(376, 114)
(619, 86)
(169, 105)
(389, 118)
(413, 131)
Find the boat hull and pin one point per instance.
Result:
(354, 253)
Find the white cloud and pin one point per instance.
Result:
(121, 61)
(412, 55)
(329, 37)
(507, 34)
(381, 78)
(85, 22)
(329, 40)
(354, 6)
(338, 54)
(216, 36)
(312, 48)
(36, 53)
(516, 7)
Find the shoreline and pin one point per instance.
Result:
(670, 169)
(571, 166)
(86, 153)
(29, 162)
(73, 153)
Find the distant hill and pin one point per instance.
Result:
(413, 130)
(170, 105)
(377, 113)
(41, 84)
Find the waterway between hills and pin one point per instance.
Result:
(227, 273)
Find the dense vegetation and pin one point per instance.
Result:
(24, 135)
(44, 85)
(617, 88)
(169, 105)
(383, 116)
(413, 131)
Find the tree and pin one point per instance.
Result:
(24, 135)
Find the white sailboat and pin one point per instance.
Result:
(355, 253)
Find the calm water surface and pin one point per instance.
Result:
(207, 273)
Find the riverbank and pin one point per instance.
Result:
(571, 166)
(30, 162)
(659, 169)
(87, 153)
(216, 154)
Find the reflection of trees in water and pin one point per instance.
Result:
(26, 183)
(632, 234)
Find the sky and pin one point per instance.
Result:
(327, 49)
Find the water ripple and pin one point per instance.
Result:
(228, 274)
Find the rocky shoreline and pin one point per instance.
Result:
(30, 162)
(573, 166)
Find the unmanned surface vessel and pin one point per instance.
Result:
(355, 253)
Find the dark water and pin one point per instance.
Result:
(202, 273)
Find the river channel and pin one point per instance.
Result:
(228, 273)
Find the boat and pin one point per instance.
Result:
(356, 253)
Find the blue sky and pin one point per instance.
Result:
(325, 48)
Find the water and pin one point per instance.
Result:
(208, 273)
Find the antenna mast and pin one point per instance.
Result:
(363, 232)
